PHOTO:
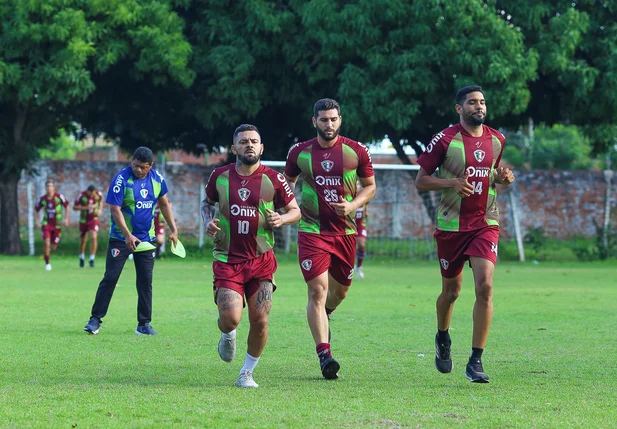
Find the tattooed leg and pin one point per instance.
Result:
(229, 303)
(259, 305)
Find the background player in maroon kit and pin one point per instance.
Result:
(53, 203)
(468, 156)
(247, 194)
(90, 205)
(361, 236)
(330, 165)
(159, 228)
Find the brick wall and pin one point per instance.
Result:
(564, 203)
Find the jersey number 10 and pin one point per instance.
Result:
(243, 227)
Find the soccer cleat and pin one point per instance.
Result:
(145, 329)
(48, 267)
(474, 371)
(93, 325)
(245, 379)
(91, 263)
(227, 347)
(360, 273)
(329, 367)
(443, 360)
(81, 262)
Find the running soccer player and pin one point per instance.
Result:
(132, 195)
(467, 155)
(54, 203)
(159, 228)
(248, 195)
(90, 205)
(330, 165)
(361, 236)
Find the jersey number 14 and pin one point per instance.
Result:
(477, 187)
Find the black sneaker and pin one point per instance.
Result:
(443, 360)
(474, 371)
(91, 263)
(329, 367)
(81, 262)
(93, 325)
(145, 329)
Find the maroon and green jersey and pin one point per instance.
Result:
(243, 200)
(329, 174)
(455, 151)
(83, 200)
(53, 209)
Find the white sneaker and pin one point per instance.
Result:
(245, 379)
(48, 267)
(360, 273)
(227, 347)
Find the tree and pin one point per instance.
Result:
(51, 52)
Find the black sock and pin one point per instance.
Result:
(476, 353)
(443, 336)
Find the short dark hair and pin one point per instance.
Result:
(325, 104)
(461, 94)
(245, 127)
(49, 182)
(143, 154)
(91, 188)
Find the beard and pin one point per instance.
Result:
(248, 160)
(475, 121)
(326, 137)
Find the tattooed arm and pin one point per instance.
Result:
(208, 214)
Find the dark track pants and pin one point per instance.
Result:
(117, 254)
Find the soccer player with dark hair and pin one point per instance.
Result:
(330, 165)
(467, 155)
(54, 203)
(132, 195)
(90, 205)
(248, 196)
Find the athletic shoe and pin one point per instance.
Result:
(48, 267)
(245, 379)
(145, 329)
(227, 347)
(91, 263)
(360, 273)
(329, 367)
(81, 262)
(443, 360)
(93, 326)
(474, 371)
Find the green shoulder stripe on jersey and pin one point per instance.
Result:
(447, 222)
(222, 181)
(309, 196)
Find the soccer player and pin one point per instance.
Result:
(467, 155)
(361, 236)
(159, 228)
(248, 195)
(132, 195)
(54, 203)
(90, 205)
(330, 165)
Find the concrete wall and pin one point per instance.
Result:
(564, 203)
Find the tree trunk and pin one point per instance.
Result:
(10, 243)
(400, 152)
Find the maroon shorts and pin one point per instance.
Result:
(454, 248)
(333, 253)
(362, 232)
(159, 229)
(51, 232)
(244, 277)
(92, 225)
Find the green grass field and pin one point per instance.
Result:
(551, 352)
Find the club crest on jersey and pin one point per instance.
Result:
(244, 194)
(327, 165)
(115, 252)
(307, 264)
(479, 154)
(143, 193)
(445, 264)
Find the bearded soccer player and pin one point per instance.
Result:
(467, 155)
(330, 165)
(248, 195)
(132, 195)
(90, 205)
(54, 203)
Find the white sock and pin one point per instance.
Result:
(249, 363)
(91, 257)
(81, 256)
